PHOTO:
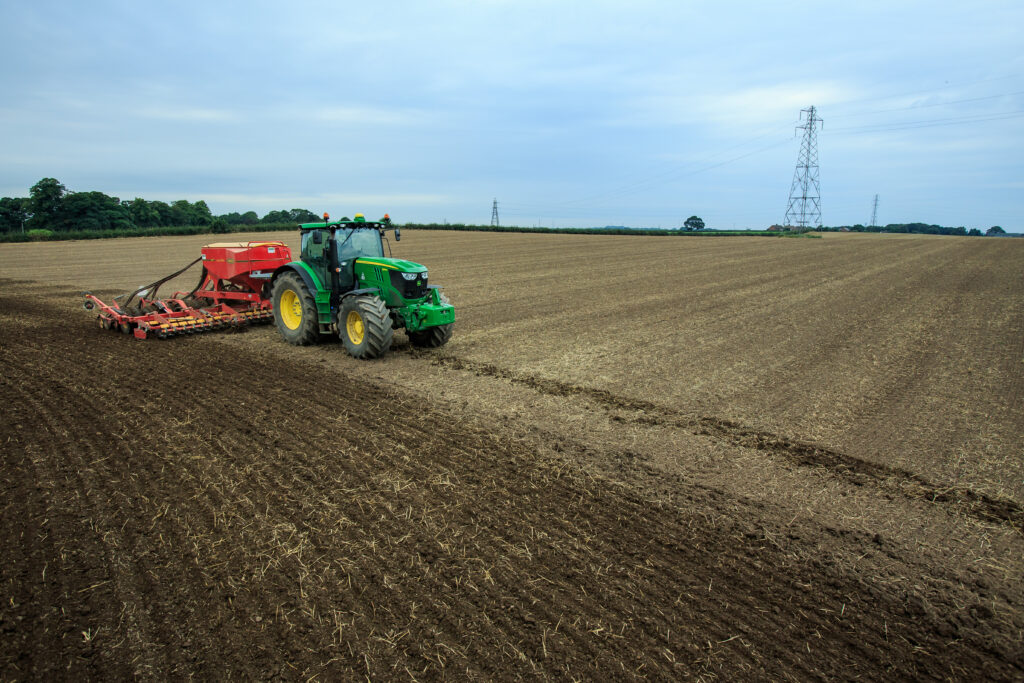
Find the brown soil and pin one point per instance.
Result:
(227, 506)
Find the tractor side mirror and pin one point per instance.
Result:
(398, 235)
(318, 237)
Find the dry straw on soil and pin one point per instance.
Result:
(668, 458)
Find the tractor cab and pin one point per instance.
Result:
(331, 248)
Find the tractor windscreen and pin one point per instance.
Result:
(358, 242)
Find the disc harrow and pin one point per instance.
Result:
(232, 292)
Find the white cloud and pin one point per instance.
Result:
(361, 115)
(176, 112)
(743, 108)
(775, 101)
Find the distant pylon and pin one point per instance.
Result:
(804, 206)
(494, 214)
(874, 212)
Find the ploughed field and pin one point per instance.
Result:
(638, 457)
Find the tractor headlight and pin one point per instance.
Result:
(410, 276)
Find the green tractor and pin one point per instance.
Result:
(344, 284)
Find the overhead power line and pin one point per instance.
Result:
(940, 104)
(929, 123)
(846, 103)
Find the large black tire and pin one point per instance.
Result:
(432, 337)
(364, 325)
(296, 317)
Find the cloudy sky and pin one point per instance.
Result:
(569, 113)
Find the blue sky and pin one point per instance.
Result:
(569, 113)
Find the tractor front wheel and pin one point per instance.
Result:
(432, 337)
(295, 310)
(365, 326)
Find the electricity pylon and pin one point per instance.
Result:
(804, 206)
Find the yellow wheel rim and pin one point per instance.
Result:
(291, 309)
(354, 327)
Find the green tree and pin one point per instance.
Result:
(44, 202)
(302, 216)
(693, 223)
(92, 211)
(974, 232)
(142, 213)
(276, 217)
(201, 213)
(181, 213)
(293, 216)
(235, 218)
(13, 214)
(995, 230)
(163, 209)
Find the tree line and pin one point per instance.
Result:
(52, 208)
(916, 229)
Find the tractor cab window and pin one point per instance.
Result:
(358, 242)
(313, 248)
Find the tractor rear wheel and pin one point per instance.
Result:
(295, 310)
(364, 325)
(432, 337)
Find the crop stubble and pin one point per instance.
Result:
(558, 492)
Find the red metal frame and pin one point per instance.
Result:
(232, 272)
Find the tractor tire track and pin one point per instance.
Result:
(897, 480)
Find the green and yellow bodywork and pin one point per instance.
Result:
(418, 306)
(331, 273)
